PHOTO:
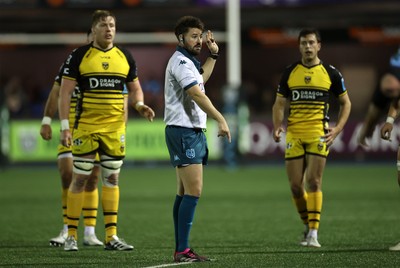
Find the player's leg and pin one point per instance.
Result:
(90, 206)
(191, 177)
(83, 163)
(64, 163)
(295, 171)
(110, 168)
(397, 246)
(398, 166)
(82, 168)
(65, 168)
(295, 168)
(194, 146)
(173, 138)
(180, 191)
(111, 162)
(188, 153)
(314, 172)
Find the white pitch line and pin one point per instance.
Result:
(168, 265)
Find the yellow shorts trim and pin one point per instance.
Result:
(63, 150)
(67, 152)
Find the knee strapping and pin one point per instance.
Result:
(83, 166)
(109, 166)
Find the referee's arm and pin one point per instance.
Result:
(206, 105)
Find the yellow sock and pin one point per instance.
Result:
(301, 205)
(314, 207)
(90, 205)
(110, 202)
(64, 196)
(74, 209)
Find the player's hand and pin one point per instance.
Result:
(223, 131)
(386, 131)
(211, 44)
(329, 137)
(45, 132)
(147, 112)
(331, 134)
(66, 138)
(277, 134)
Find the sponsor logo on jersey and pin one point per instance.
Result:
(104, 82)
(306, 95)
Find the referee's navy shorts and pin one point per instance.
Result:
(186, 145)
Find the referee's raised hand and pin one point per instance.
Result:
(211, 44)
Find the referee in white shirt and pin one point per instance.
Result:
(186, 110)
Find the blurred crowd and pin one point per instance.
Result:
(23, 98)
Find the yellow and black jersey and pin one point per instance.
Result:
(308, 90)
(102, 77)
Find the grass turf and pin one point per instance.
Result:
(245, 218)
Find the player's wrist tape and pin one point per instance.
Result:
(390, 120)
(138, 105)
(213, 55)
(64, 124)
(46, 120)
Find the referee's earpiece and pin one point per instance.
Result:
(180, 38)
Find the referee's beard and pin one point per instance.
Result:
(192, 50)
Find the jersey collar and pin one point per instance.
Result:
(309, 67)
(190, 57)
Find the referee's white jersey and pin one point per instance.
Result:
(183, 72)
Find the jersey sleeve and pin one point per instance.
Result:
(184, 74)
(283, 87)
(133, 73)
(71, 65)
(338, 87)
(57, 79)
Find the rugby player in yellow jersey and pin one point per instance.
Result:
(64, 162)
(102, 70)
(307, 84)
